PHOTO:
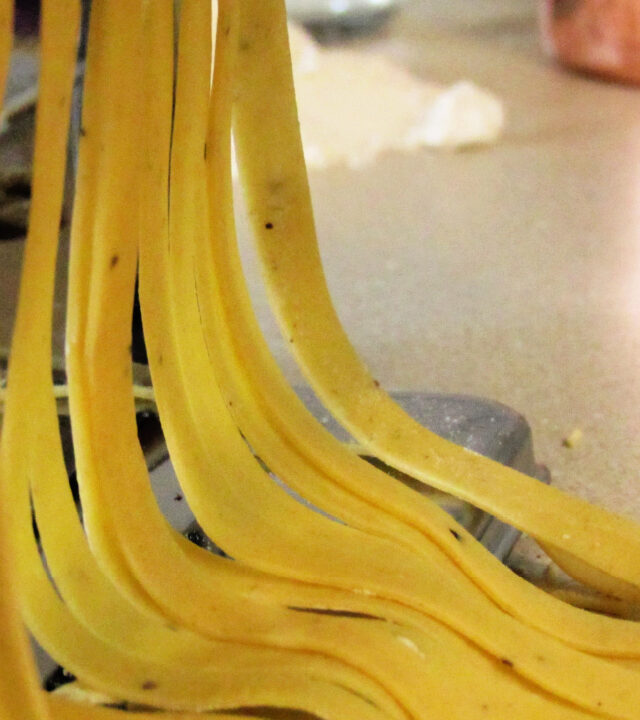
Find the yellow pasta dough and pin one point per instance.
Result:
(396, 612)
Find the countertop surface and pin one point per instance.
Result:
(511, 271)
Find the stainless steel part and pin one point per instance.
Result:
(484, 426)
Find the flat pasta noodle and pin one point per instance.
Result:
(50, 620)
(362, 618)
(272, 166)
(301, 452)
(236, 549)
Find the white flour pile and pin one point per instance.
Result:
(354, 105)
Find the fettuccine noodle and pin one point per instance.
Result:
(393, 612)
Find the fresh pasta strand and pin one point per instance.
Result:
(27, 397)
(394, 613)
(272, 167)
(300, 451)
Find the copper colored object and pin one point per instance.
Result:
(596, 36)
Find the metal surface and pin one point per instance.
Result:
(484, 426)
